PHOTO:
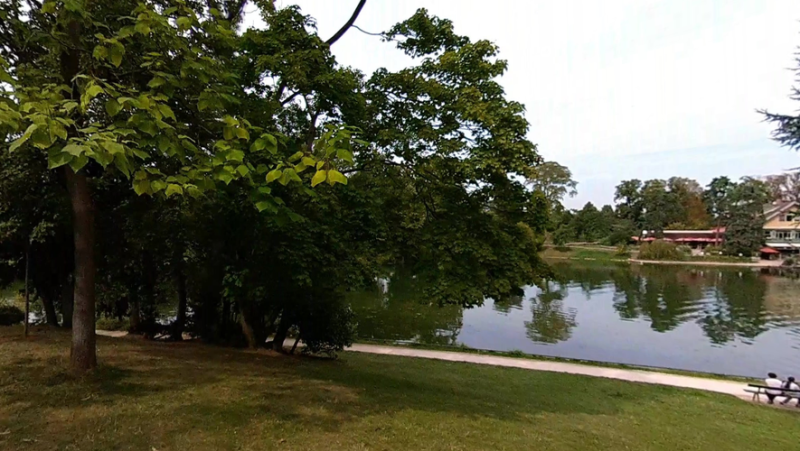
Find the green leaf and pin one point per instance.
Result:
(112, 147)
(158, 185)
(148, 127)
(93, 91)
(75, 149)
(335, 176)
(258, 145)
(41, 139)
(242, 133)
(18, 142)
(319, 177)
(296, 156)
(115, 54)
(243, 170)
(345, 155)
(308, 161)
(184, 23)
(225, 177)
(272, 143)
(78, 163)
(274, 175)
(228, 133)
(142, 27)
(166, 111)
(235, 155)
(58, 159)
(173, 189)
(156, 82)
(113, 107)
(100, 52)
(141, 186)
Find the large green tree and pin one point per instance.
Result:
(145, 91)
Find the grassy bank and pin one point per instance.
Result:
(187, 396)
(583, 253)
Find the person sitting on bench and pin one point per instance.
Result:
(773, 381)
(791, 385)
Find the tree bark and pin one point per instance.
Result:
(83, 355)
(49, 310)
(67, 302)
(247, 329)
(280, 334)
(180, 316)
(135, 325)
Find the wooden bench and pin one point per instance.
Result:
(758, 390)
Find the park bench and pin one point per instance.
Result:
(758, 390)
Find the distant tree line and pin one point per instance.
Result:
(678, 203)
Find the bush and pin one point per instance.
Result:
(789, 261)
(327, 327)
(112, 324)
(622, 251)
(10, 315)
(563, 249)
(713, 250)
(660, 250)
(684, 249)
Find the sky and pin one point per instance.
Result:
(618, 89)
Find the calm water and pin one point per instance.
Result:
(737, 322)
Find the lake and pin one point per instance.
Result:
(738, 322)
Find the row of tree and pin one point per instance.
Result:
(153, 152)
(680, 204)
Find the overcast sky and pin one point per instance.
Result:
(618, 89)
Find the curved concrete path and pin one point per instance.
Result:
(647, 377)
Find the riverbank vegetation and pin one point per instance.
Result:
(188, 396)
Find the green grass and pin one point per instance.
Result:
(583, 253)
(187, 396)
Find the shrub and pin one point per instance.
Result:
(684, 249)
(713, 250)
(10, 315)
(622, 251)
(660, 250)
(563, 249)
(327, 327)
(789, 261)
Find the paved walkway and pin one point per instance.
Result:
(647, 377)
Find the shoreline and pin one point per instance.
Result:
(759, 264)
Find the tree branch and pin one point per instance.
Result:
(347, 25)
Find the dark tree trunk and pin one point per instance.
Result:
(83, 354)
(247, 329)
(67, 303)
(49, 310)
(180, 316)
(135, 315)
(280, 334)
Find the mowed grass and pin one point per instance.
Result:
(188, 396)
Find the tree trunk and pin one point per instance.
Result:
(180, 316)
(280, 334)
(67, 303)
(135, 325)
(83, 354)
(247, 329)
(49, 310)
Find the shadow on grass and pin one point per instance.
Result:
(211, 388)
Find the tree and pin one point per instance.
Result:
(745, 217)
(628, 197)
(692, 210)
(784, 187)
(143, 91)
(552, 179)
(660, 206)
(787, 127)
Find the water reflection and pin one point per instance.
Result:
(704, 319)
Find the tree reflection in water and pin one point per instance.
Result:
(551, 322)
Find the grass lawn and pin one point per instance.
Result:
(187, 396)
(583, 253)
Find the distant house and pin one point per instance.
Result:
(696, 239)
(782, 227)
